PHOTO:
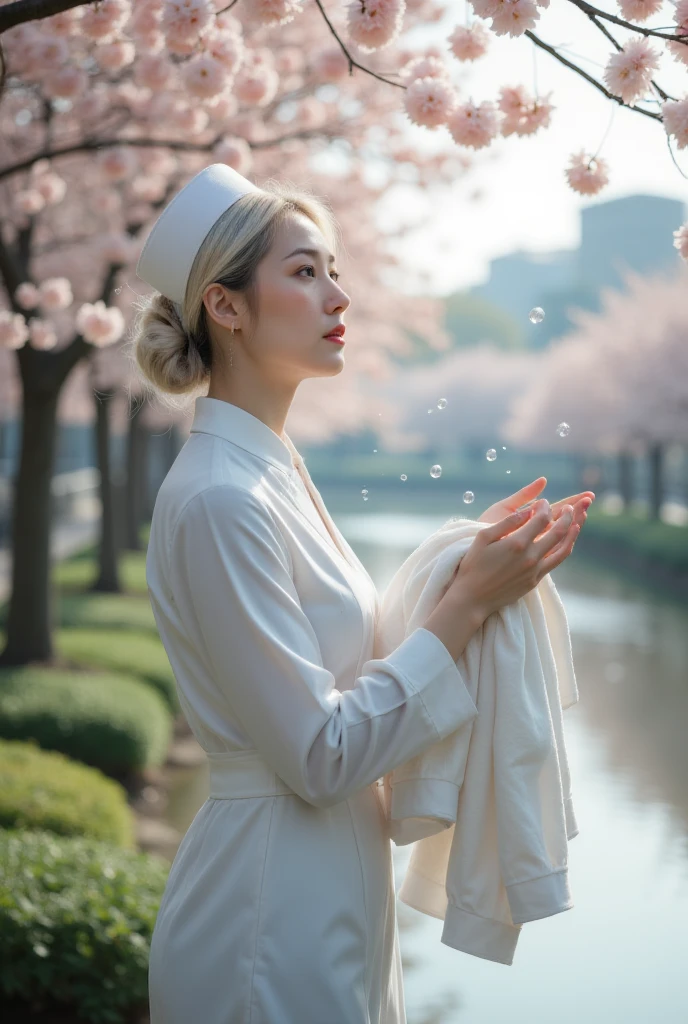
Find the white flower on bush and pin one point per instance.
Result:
(55, 293)
(42, 334)
(13, 329)
(99, 324)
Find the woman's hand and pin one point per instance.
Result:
(528, 494)
(508, 559)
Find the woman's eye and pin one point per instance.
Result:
(334, 275)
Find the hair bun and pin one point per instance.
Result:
(163, 351)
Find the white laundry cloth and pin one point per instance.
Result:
(488, 807)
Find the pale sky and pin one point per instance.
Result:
(527, 202)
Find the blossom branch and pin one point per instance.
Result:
(353, 63)
(607, 34)
(595, 12)
(89, 145)
(589, 78)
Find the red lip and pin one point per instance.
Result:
(336, 332)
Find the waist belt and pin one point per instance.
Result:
(243, 773)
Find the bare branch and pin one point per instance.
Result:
(89, 145)
(21, 11)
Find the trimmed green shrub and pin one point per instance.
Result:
(76, 920)
(46, 790)
(106, 611)
(139, 654)
(110, 721)
(658, 541)
(80, 571)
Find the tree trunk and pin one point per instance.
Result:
(136, 475)
(656, 456)
(626, 479)
(29, 623)
(108, 550)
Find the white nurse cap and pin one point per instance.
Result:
(170, 249)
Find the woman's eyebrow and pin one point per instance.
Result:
(310, 252)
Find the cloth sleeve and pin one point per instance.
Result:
(234, 568)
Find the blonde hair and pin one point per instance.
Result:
(171, 349)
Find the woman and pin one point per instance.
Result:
(280, 903)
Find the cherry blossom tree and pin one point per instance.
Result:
(619, 379)
(108, 110)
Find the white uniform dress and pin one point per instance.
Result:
(280, 905)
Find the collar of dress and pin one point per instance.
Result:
(215, 416)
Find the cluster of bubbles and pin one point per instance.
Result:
(537, 315)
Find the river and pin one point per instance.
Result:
(619, 955)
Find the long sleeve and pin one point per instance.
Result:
(230, 569)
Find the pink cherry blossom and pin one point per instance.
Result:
(424, 66)
(375, 24)
(116, 163)
(52, 187)
(41, 334)
(65, 83)
(104, 20)
(256, 84)
(99, 324)
(330, 65)
(228, 49)
(117, 55)
(429, 101)
(29, 201)
(235, 152)
(14, 331)
(587, 175)
(469, 42)
(681, 240)
(186, 19)
(27, 295)
(514, 17)
(629, 72)
(474, 125)
(639, 10)
(275, 12)
(486, 8)
(55, 293)
(204, 76)
(64, 23)
(675, 114)
(523, 115)
(154, 71)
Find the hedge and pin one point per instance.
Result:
(76, 920)
(46, 790)
(110, 721)
(652, 539)
(139, 654)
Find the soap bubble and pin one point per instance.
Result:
(563, 430)
(468, 497)
(436, 471)
(442, 404)
(403, 477)
(503, 447)
(429, 410)
(508, 470)
(491, 455)
(364, 492)
(536, 315)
